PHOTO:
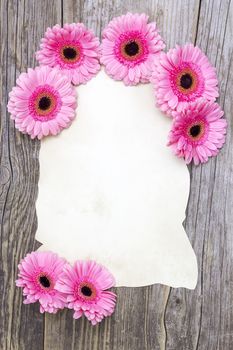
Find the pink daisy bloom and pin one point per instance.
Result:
(198, 132)
(130, 47)
(183, 75)
(85, 286)
(38, 275)
(42, 102)
(73, 49)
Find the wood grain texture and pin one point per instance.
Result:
(150, 318)
(22, 25)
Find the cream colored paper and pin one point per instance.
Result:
(110, 190)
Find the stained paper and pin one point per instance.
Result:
(110, 189)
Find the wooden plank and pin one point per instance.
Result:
(138, 322)
(23, 22)
(206, 313)
(202, 319)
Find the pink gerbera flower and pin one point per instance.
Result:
(85, 286)
(38, 275)
(198, 132)
(73, 49)
(130, 47)
(181, 76)
(42, 103)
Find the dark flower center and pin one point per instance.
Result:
(69, 53)
(186, 81)
(85, 290)
(44, 281)
(132, 48)
(44, 103)
(195, 130)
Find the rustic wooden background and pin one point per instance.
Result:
(151, 318)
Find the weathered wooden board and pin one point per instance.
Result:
(22, 24)
(150, 318)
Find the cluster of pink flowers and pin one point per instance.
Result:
(55, 284)
(43, 101)
(185, 86)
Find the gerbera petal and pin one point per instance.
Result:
(195, 135)
(40, 113)
(84, 285)
(70, 48)
(134, 44)
(186, 73)
(38, 283)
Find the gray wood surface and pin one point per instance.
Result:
(150, 318)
